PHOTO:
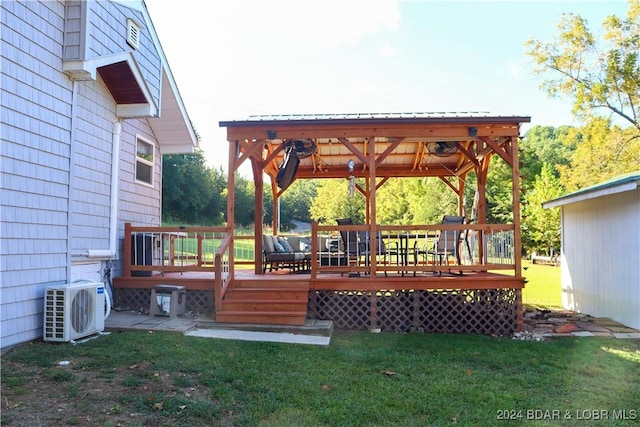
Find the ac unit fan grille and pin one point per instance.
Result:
(82, 312)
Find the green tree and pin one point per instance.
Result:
(187, 189)
(244, 202)
(546, 145)
(295, 203)
(541, 227)
(332, 202)
(598, 74)
(606, 151)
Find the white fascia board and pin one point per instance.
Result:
(629, 186)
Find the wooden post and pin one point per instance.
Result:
(371, 206)
(517, 238)
(259, 214)
(199, 261)
(127, 249)
(314, 250)
(234, 149)
(276, 214)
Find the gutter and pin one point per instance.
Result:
(115, 175)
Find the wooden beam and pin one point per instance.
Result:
(272, 155)
(250, 150)
(431, 131)
(451, 186)
(497, 149)
(381, 182)
(354, 150)
(388, 151)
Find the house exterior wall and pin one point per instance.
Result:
(55, 169)
(600, 257)
(106, 35)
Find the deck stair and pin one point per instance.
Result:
(265, 302)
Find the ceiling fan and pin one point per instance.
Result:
(442, 148)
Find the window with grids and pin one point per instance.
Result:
(144, 162)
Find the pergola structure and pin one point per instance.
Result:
(395, 290)
(447, 146)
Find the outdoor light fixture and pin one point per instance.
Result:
(473, 131)
(271, 134)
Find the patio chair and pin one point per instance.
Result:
(447, 244)
(379, 250)
(353, 248)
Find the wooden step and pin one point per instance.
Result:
(266, 294)
(256, 305)
(271, 284)
(268, 302)
(264, 317)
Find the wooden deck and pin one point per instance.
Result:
(394, 293)
(331, 281)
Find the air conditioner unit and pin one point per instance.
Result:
(74, 311)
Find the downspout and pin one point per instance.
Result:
(115, 175)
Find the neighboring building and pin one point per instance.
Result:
(600, 254)
(88, 107)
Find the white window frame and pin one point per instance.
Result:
(151, 164)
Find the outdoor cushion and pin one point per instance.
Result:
(279, 247)
(285, 244)
(268, 243)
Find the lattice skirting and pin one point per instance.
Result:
(139, 300)
(479, 311)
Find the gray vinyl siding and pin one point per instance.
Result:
(91, 159)
(108, 35)
(34, 187)
(73, 40)
(55, 166)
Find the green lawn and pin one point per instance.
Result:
(361, 379)
(543, 287)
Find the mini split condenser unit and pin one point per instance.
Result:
(74, 311)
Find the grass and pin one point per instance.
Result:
(362, 379)
(543, 288)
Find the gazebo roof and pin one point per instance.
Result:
(405, 144)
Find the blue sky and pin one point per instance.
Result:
(237, 58)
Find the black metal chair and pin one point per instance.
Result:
(447, 244)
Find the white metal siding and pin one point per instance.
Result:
(35, 120)
(601, 257)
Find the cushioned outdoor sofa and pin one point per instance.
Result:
(284, 252)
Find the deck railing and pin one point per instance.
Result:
(149, 250)
(393, 248)
(223, 270)
(413, 249)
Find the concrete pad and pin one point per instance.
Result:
(632, 335)
(227, 334)
(583, 334)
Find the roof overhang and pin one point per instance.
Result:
(617, 185)
(173, 129)
(123, 79)
(401, 142)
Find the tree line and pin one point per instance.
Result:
(600, 74)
